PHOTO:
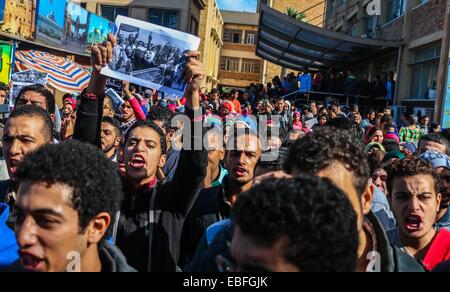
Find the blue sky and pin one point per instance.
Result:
(58, 6)
(238, 5)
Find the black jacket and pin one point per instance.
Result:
(150, 219)
(210, 207)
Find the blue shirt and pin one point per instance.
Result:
(444, 222)
(8, 244)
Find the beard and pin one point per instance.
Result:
(108, 148)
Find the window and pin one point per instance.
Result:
(229, 64)
(167, 18)
(251, 66)
(396, 8)
(110, 12)
(194, 26)
(232, 36)
(424, 72)
(250, 38)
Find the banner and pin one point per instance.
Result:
(19, 20)
(2, 11)
(76, 29)
(6, 61)
(51, 15)
(446, 115)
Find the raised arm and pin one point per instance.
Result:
(90, 111)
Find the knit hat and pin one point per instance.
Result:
(374, 144)
(71, 101)
(392, 136)
(394, 154)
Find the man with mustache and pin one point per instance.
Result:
(413, 187)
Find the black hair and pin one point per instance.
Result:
(328, 145)
(3, 87)
(96, 184)
(29, 111)
(270, 165)
(49, 98)
(154, 127)
(115, 123)
(297, 212)
(409, 167)
(162, 114)
(391, 145)
(437, 138)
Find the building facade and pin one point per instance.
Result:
(420, 64)
(176, 14)
(19, 18)
(210, 32)
(239, 65)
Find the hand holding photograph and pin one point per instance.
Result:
(150, 55)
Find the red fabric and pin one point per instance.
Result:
(183, 101)
(237, 106)
(137, 109)
(439, 251)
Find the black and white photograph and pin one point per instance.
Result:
(150, 55)
(30, 76)
(22, 79)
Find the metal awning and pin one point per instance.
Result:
(297, 45)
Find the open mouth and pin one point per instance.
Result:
(137, 162)
(413, 223)
(32, 263)
(240, 171)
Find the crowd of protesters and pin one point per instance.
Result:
(276, 186)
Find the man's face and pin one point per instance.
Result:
(313, 107)
(128, 51)
(425, 121)
(109, 138)
(108, 108)
(444, 187)
(47, 229)
(3, 96)
(127, 111)
(372, 116)
(379, 179)
(251, 256)
(216, 152)
(280, 105)
(143, 154)
(34, 98)
(22, 135)
(431, 146)
(241, 161)
(415, 205)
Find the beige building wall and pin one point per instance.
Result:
(211, 29)
(240, 51)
